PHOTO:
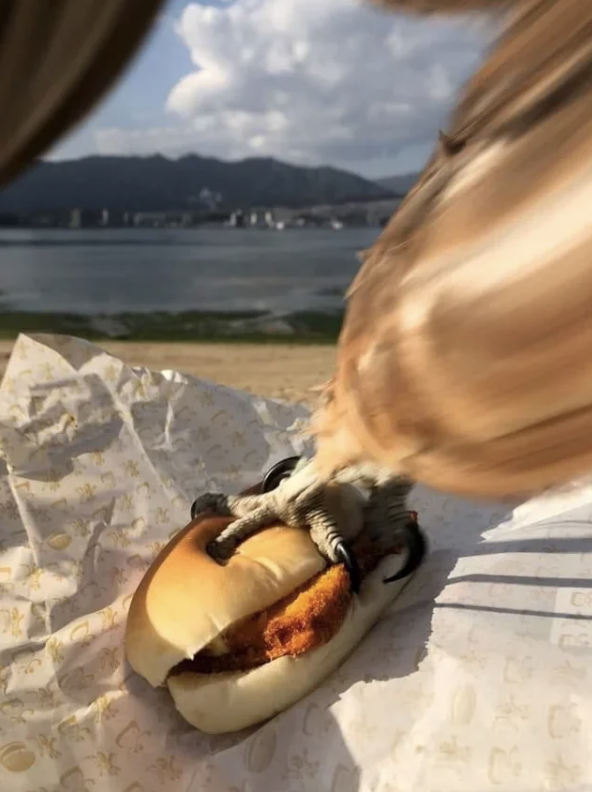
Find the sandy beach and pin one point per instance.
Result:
(280, 371)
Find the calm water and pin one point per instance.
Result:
(90, 271)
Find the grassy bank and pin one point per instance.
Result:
(190, 326)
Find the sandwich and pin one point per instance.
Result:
(239, 642)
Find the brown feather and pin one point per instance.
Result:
(473, 376)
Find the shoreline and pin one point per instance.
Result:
(233, 327)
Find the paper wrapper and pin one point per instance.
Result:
(478, 678)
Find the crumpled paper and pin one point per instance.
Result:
(478, 678)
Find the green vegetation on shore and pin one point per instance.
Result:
(307, 327)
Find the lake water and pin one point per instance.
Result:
(111, 271)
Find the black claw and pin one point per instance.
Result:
(194, 511)
(414, 542)
(349, 561)
(278, 472)
(213, 550)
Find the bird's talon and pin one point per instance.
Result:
(211, 502)
(278, 472)
(348, 559)
(221, 550)
(413, 541)
(213, 550)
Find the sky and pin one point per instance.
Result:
(312, 82)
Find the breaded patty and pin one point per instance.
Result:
(307, 618)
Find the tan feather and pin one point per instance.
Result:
(473, 376)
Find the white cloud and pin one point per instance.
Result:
(309, 81)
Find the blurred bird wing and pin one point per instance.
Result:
(463, 356)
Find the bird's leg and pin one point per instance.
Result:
(387, 506)
(330, 544)
(300, 500)
(325, 534)
(212, 503)
(229, 505)
(243, 505)
(222, 547)
(373, 477)
(305, 501)
(388, 518)
(252, 512)
(292, 506)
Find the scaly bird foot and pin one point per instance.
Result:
(211, 503)
(389, 520)
(293, 495)
(224, 545)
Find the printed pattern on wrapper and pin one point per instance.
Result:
(478, 678)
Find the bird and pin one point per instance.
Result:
(463, 358)
(465, 355)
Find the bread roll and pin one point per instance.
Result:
(219, 703)
(186, 600)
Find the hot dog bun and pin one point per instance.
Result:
(186, 600)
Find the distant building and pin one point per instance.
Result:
(118, 219)
(76, 218)
(150, 219)
(237, 219)
(83, 218)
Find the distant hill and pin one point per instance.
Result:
(399, 185)
(157, 183)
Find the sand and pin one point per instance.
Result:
(278, 371)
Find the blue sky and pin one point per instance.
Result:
(308, 81)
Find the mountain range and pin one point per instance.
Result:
(399, 185)
(158, 183)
